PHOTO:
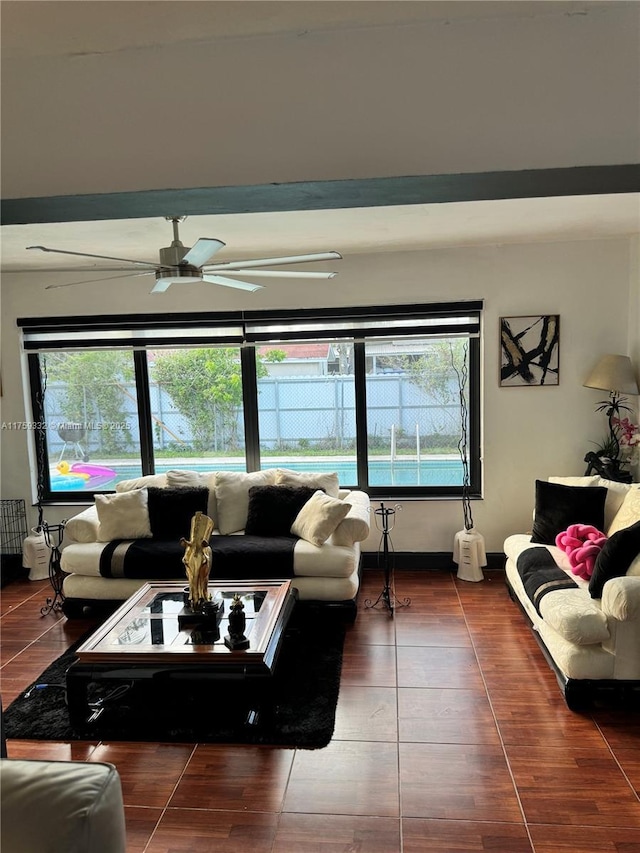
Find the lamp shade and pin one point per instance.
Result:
(613, 373)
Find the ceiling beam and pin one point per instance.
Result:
(325, 195)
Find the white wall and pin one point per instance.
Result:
(547, 89)
(529, 433)
(550, 89)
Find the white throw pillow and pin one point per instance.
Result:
(179, 478)
(575, 481)
(616, 493)
(327, 481)
(123, 516)
(628, 513)
(232, 497)
(319, 517)
(157, 480)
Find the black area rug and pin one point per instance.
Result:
(299, 712)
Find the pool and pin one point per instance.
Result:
(434, 471)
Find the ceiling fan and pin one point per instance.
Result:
(180, 264)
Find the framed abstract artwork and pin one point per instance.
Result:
(530, 350)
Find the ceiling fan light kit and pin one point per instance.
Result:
(181, 264)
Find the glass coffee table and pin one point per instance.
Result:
(142, 642)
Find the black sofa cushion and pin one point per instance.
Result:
(558, 506)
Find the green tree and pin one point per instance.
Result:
(435, 375)
(94, 391)
(206, 388)
(274, 355)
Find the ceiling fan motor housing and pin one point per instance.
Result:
(184, 271)
(172, 255)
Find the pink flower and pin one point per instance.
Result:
(630, 432)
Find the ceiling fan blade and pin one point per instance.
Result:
(267, 262)
(229, 282)
(75, 270)
(282, 273)
(96, 280)
(202, 250)
(163, 284)
(85, 255)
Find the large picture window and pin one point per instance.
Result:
(386, 396)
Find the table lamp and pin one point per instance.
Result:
(613, 373)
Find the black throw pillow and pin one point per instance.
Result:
(273, 509)
(558, 506)
(171, 510)
(617, 554)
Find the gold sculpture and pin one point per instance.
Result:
(197, 560)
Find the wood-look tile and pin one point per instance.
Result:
(416, 629)
(18, 592)
(492, 585)
(22, 670)
(462, 836)
(436, 666)
(584, 839)
(66, 632)
(234, 778)
(527, 667)
(303, 833)
(27, 600)
(26, 626)
(431, 602)
(49, 750)
(454, 795)
(542, 692)
(11, 647)
(444, 715)
(368, 665)
(204, 831)
(412, 582)
(367, 713)
(529, 716)
(140, 823)
(551, 782)
(347, 777)
(620, 727)
(148, 772)
(630, 762)
(498, 633)
(456, 782)
(371, 627)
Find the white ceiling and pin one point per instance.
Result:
(348, 231)
(72, 27)
(78, 27)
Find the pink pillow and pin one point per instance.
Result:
(581, 543)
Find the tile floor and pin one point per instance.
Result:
(450, 736)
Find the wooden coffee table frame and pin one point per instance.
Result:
(102, 659)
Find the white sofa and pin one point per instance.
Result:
(61, 807)
(328, 572)
(591, 639)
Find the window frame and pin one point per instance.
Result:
(250, 330)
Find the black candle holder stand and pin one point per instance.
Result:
(385, 522)
(53, 535)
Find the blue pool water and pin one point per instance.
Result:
(429, 472)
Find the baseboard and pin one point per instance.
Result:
(426, 560)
